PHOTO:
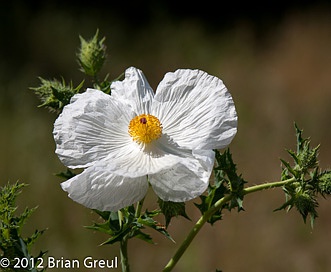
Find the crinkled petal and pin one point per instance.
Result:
(140, 159)
(134, 90)
(91, 128)
(187, 179)
(97, 187)
(195, 109)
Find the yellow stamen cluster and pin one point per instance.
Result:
(145, 128)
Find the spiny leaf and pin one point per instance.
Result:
(128, 225)
(150, 222)
(12, 244)
(144, 236)
(116, 238)
(172, 209)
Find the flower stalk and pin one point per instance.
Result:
(213, 209)
(124, 254)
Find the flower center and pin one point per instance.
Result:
(145, 128)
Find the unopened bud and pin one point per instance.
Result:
(91, 55)
(306, 204)
(325, 182)
(55, 94)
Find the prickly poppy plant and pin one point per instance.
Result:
(125, 138)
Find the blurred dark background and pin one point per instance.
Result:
(274, 58)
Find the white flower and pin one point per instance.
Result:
(133, 134)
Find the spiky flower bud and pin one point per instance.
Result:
(306, 204)
(55, 94)
(172, 209)
(307, 158)
(325, 182)
(91, 55)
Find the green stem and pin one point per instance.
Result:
(120, 218)
(96, 80)
(139, 207)
(216, 207)
(124, 254)
(124, 241)
(268, 185)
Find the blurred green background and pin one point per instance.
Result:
(274, 59)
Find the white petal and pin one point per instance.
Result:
(99, 188)
(136, 160)
(91, 128)
(140, 159)
(195, 109)
(185, 180)
(134, 90)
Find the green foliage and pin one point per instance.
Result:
(309, 180)
(226, 182)
(126, 224)
(12, 244)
